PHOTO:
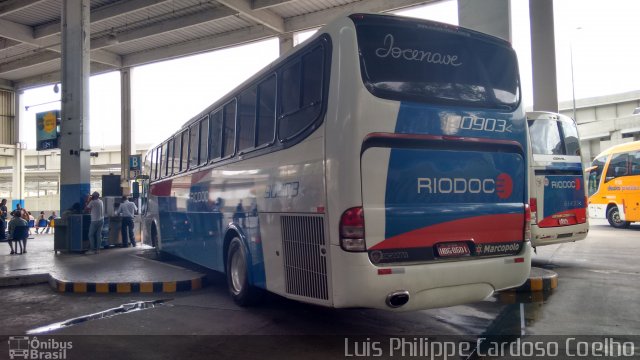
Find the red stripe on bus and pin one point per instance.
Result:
(479, 229)
(573, 217)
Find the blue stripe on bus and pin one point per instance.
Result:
(564, 166)
(562, 193)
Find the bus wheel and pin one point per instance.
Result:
(613, 216)
(241, 291)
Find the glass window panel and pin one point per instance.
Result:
(204, 140)
(290, 97)
(266, 111)
(247, 119)
(215, 135)
(229, 133)
(194, 144)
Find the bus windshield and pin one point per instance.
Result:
(554, 137)
(594, 175)
(416, 61)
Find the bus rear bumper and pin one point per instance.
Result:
(430, 285)
(558, 235)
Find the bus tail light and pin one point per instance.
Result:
(527, 223)
(533, 203)
(352, 230)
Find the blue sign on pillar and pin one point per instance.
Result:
(135, 165)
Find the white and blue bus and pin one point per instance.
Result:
(381, 164)
(557, 193)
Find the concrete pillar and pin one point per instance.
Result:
(286, 42)
(491, 17)
(75, 146)
(543, 56)
(17, 177)
(128, 145)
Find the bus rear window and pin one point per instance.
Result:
(422, 61)
(553, 137)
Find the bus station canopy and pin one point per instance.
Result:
(127, 33)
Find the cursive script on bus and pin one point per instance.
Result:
(414, 54)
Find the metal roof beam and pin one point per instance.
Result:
(258, 32)
(7, 43)
(12, 6)
(265, 4)
(319, 18)
(100, 14)
(163, 27)
(34, 60)
(210, 43)
(24, 33)
(54, 77)
(264, 17)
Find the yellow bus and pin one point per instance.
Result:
(614, 185)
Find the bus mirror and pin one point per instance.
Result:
(136, 190)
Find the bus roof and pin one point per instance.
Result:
(534, 115)
(630, 146)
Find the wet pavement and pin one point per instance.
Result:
(597, 294)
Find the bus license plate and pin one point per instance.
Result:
(452, 249)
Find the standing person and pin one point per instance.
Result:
(17, 220)
(95, 205)
(3, 224)
(127, 210)
(41, 223)
(32, 221)
(51, 223)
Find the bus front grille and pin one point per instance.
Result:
(305, 262)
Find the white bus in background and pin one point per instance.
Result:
(380, 164)
(557, 192)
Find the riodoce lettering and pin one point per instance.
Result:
(414, 54)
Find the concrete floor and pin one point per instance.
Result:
(597, 295)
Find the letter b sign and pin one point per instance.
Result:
(134, 162)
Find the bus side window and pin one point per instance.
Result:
(266, 120)
(247, 118)
(183, 151)
(301, 93)
(204, 140)
(229, 129)
(215, 135)
(194, 144)
(157, 174)
(634, 158)
(170, 155)
(617, 167)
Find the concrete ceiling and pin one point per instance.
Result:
(127, 33)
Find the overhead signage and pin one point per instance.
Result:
(47, 130)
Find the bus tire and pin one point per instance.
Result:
(613, 216)
(242, 292)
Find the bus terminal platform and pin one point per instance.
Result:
(134, 270)
(113, 270)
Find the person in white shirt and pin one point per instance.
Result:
(97, 220)
(127, 210)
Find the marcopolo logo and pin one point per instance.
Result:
(564, 184)
(25, 347)
(502, 185)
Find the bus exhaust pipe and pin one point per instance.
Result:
(397, 299)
